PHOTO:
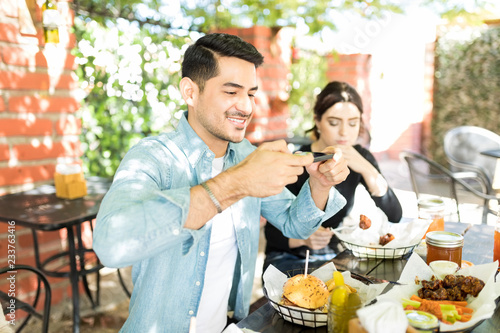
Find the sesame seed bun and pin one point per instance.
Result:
(306, 291)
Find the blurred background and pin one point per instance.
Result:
(87, 82)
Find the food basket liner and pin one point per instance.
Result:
(365, 243)
(484, 305)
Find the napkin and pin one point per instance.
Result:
(484, 305)
(386, 316)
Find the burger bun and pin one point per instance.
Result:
(306, 291)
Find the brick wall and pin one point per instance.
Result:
(38, 127)
(270, 119)
(37, 123)
(354, 69)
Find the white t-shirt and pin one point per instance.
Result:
(212, 312)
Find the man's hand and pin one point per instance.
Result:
(324, 175)
(268, 169)
(330, 172)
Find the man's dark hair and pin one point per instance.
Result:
(201, 59)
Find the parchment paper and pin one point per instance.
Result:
(406, 234)
(483, 305)
(274, 280)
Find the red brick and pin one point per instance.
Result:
(23, 57)
(12, 127)
(9, 32)
(36, 104)
(44, 238)
(30, 152)
(4, 152)
(69, 125)
(258, 30)
(2, 104)
(26, 174)
(34, 81)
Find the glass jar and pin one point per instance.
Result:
(432, 209)
(496, 244)
(444, 245)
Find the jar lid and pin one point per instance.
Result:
(444, 239)
(421, 319)
(431, 203)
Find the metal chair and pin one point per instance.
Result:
(463, 146)
(12, 298)
(430, 177)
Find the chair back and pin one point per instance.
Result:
(31, 307)
(463, 146)
(430, 178)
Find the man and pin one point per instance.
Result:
(184, 207)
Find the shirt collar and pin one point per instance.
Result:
(194, 147)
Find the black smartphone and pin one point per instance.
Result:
(318, 157)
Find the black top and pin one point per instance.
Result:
(388, 203)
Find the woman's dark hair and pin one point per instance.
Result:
(333, 93)
(200, 60)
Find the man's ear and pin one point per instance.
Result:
(189, 90)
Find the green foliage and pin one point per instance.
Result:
(129, 79)
(129, 54)
(305, 85)
(467, 80)
(315, 14)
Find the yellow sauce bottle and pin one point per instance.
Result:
(50, 21)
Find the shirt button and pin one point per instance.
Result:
(198, 283)
(202, 253)
(191, 312)
(208, 154)
(175, 232)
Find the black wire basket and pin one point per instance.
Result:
(378, 252)
(296, 315)
(304, 317)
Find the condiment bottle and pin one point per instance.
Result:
(496, 244)
(444, 245)
(343, 306)
(50, 21)
(432, 209)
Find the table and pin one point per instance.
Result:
(478, 248)
(495, 153)
(40, 210)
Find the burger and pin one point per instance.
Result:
(305, 291)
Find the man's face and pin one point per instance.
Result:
(224, 109)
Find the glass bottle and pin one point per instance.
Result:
(432, 209)
(50, 21)
(496, 244)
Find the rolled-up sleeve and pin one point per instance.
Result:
(138, 217)
(298, 217)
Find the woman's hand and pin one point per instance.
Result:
(318, 240)
(377, 185)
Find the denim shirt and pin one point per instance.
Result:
(141, 219)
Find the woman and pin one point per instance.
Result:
(338, 122)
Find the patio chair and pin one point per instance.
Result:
(463, 146)
(29, 308)
(430, 177)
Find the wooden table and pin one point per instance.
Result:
(40, 210)
(478, 249)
